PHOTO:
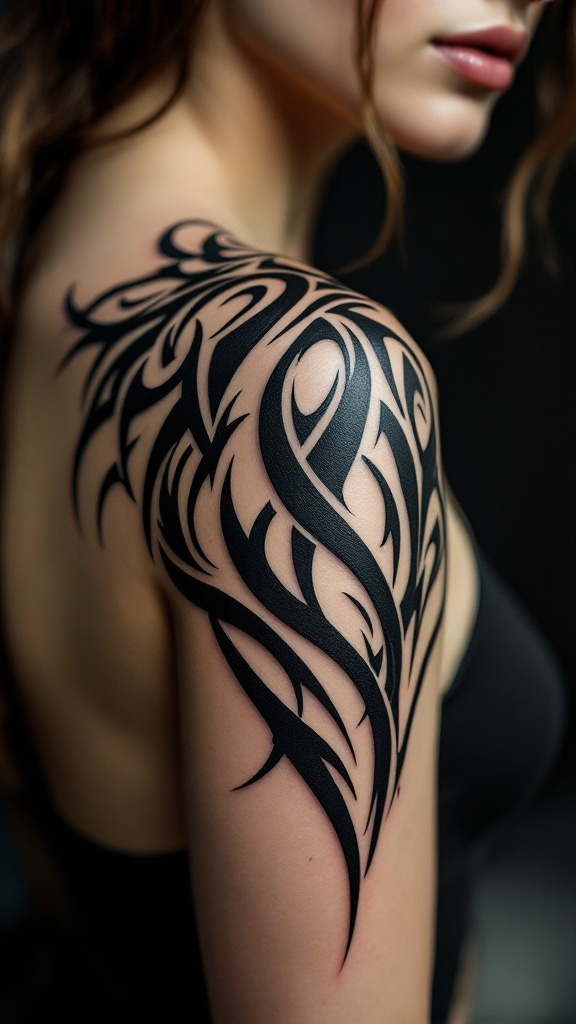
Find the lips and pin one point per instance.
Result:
(485, 57)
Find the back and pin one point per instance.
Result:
(87, 629)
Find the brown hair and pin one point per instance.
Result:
(383, 148)
(65, 64)
(530, 187)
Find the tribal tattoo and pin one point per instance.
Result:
(257, 394)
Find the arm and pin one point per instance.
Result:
(291, 496)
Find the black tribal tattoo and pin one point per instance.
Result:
(212, 349)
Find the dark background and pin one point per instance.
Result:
(508, 426)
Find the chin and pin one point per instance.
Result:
(449, 149)
(444, 132)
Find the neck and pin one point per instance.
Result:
(247, 141)
(263, 141)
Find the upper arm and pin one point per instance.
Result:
(291, 494)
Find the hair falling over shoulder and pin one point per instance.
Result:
(64, 65)
(531, 185)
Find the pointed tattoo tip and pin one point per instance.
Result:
(275, 756)
(78, 525)
(68, 297)
(348, 943)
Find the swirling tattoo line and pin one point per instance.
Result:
(189, 342)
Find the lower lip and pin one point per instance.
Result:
(482, 69)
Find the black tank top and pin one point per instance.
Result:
(135, 953)
(502, 726)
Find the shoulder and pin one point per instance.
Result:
(123, 272)
(249, 305)
(115, 257)
(223, 331)
(238, 386)
(216, 338)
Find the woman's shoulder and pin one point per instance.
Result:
(252, 367)
(186, 270)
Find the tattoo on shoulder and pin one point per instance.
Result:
(260, 397)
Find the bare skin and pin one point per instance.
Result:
(91, 629)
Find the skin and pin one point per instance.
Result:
(291, 70)
(274, 98)
(421, 104)
(145, 700)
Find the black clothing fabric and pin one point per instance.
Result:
(135, 956)
(501, 730)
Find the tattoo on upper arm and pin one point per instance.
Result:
(203, 367)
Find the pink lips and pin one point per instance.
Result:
(486, 57)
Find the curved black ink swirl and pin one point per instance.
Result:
(190, 339)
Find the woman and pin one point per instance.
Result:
(235, 587)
